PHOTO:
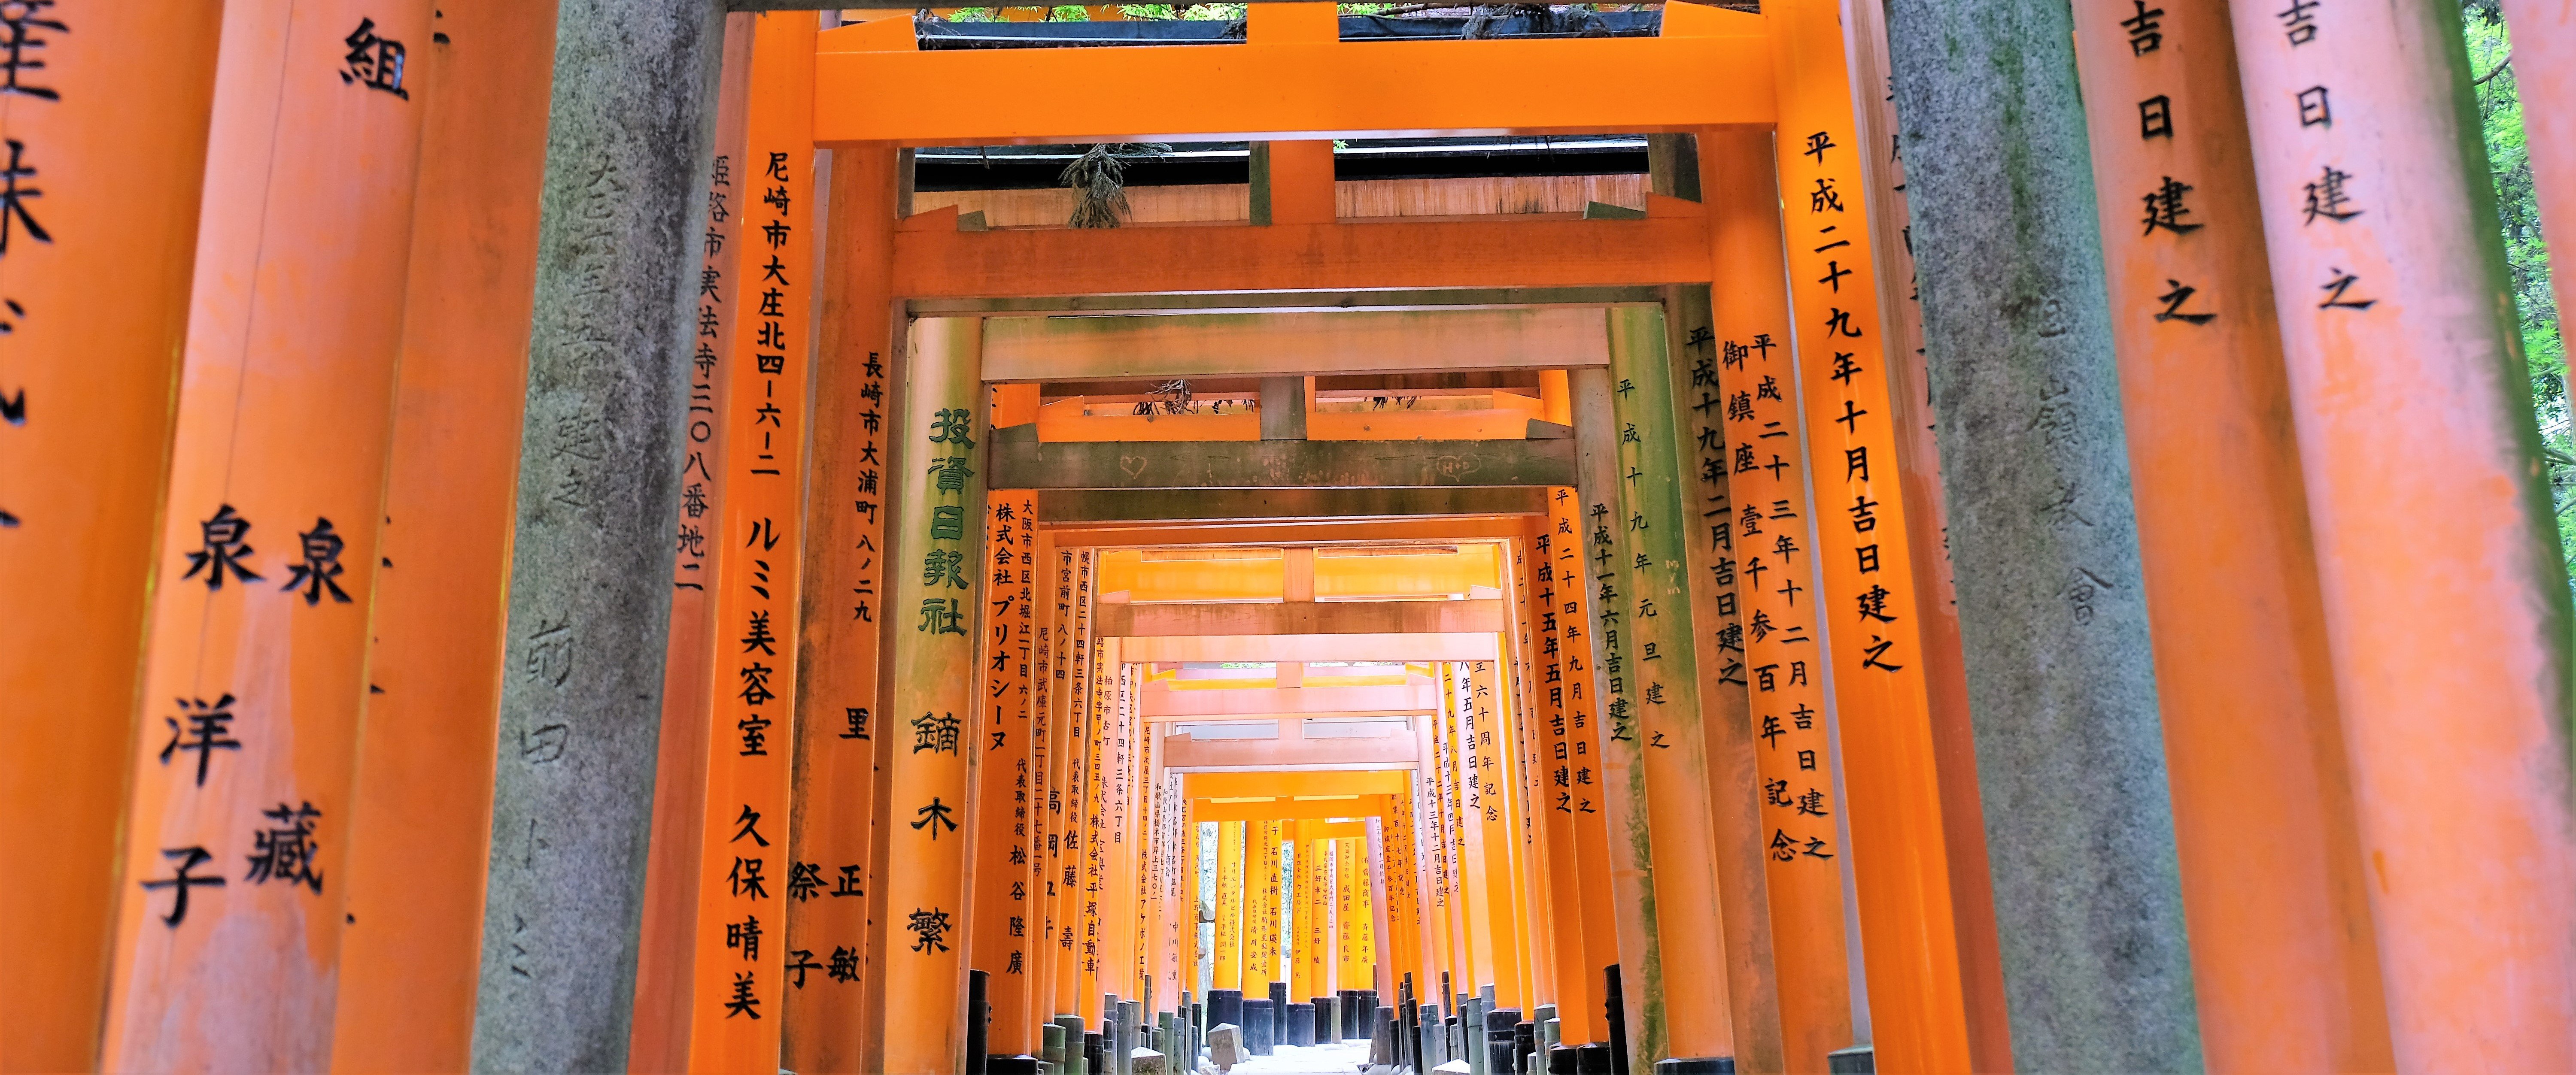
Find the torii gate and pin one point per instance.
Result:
(2426, 857)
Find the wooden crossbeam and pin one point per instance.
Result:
(1273, 785)
(1192, 619)
(1669, 246)
(1287, 809)
(1288, 301)
(1161, 702)
(1425, 528)
(1302, 343)
(1062, 506)
(1476, 646)
(1282, 89)
(1020, 461)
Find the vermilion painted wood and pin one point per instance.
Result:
(1784, 664)
(843, 721)
(933, 677)
(119, 148)
(2284, 967)
(743, 967)
(285, 409)
(2424, 480)
(666, 949)
(422, 813)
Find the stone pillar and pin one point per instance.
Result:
(618, 253)
(2043, 537)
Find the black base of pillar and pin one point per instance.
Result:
(1592, 1059)
(1328, 1020)
(1300, 1030)
(1563, 1061)
(1022, 1064)
(1697, 1065)
(1259, 1027)
(1857, 1060)
(1224, 1006)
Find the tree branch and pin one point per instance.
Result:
(2492, 72)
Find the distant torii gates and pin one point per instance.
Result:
(1713, 728)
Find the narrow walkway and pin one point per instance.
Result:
(1342, 1058)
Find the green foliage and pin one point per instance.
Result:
(2526, 255)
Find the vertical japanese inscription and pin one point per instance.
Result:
(750, 876)
(936, 696)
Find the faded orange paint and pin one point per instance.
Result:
(2424, 470)
(841, 716)
(997, 929)
(121, 147)
(932, 674)
(422, 812)
(2284, 968)
(284, 419)
(666, 945)
(743, 967)
(1743, 387)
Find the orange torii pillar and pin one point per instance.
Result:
(997, 925)
(1098, 850)
(1488, 736)
(2285, 971)
(1079, 745)
(1448, 902)
(1528, 796)
(1191, 947)
(1740, 406)
(1046, 838)
(841, 646)
(1587, 804)
(743, 968)
(115, 124)
(1228, 972)
(1911, 846)
(1373, 901)
(255, 657)
(1348, 973)
(666, 947)
(1927, 529)
(423, 794)
(1261, 910)
(1673, 970)
(939, 474)
(1554, 801)
(1472, 893)
(1313, 977)
(2423, 468)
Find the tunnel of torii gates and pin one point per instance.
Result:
(1570, 623)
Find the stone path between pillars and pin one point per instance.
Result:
(1345, 1058)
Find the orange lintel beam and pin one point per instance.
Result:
(943, 263)
(1264, 91)
(1312, 812)
(1162, 702)
(1195, 618)
(1441, 528)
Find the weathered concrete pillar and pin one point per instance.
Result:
(599, 490)
(2043, 537)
